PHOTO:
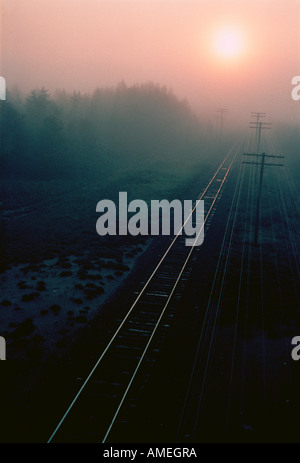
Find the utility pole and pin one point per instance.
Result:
(217, 131)
(259, 126)
(257, 115)
(262, 164)
(221, 111)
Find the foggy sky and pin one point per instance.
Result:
(84, 44)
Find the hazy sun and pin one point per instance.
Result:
(228, 42)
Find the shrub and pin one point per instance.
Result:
(55, 308)
(29, 297)
(25, 328)
(65, 273)
(81, 319)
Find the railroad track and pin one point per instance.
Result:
(135, 345)
(230, 394)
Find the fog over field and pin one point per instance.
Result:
(227, 53)
(160, 99)
(106, 96)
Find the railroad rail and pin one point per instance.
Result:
(136, 342)
(229, 395)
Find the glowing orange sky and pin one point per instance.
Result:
(82, 44)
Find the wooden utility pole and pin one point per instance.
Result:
(257, 115)
(259, 126)
(221, 111)
(262, 164)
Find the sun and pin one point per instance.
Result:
(228, 42)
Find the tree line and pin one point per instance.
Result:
(45, 136)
